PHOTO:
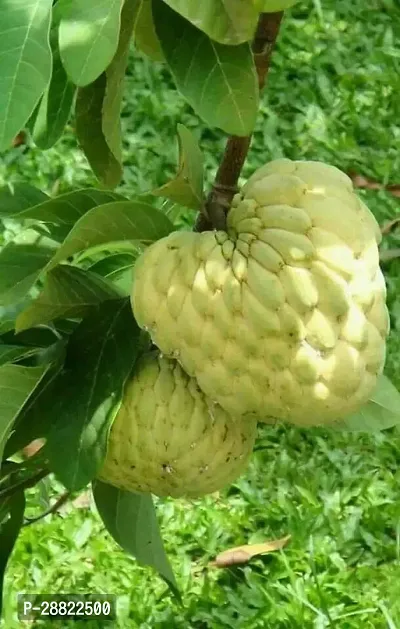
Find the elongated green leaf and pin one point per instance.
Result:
(187, 187)
(11, 353)
(20, 266)
(25, 62)
(118, 268)
(145, 34)
(113, 222)
(114, 264)
(89, 130)
(9, 531)
(39, 339)
(16, 385)
(56, 104)
(67, 292)
(174, 211)
(9, 314)
(382, 411)
(35, 418)
(100, 355)
(123, 281)
(30, 124)
(6, 324)
(115, 74)
(131, 520)
(219, 82)
(88, 37)
(225, 21)
(16, 198)
(65, 210)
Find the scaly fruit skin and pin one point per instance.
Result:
(168, 439)
(273, 6)
(284, 315)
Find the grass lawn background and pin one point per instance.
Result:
(333, 94)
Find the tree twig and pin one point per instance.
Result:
(25, 484)
(54, 507)
(213, 215)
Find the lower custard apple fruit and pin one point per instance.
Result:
(169, 439)
(283, 315)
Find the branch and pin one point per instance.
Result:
(54, 507)
(213, 214)
(25, 484)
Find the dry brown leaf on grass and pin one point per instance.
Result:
(360, 181)
(394, 189)
(243, 554)
(83, 500)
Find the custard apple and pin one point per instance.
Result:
(283, 315)
(169, 439)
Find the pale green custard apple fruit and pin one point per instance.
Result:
(169, 439)
(273, 6)
(284, 315)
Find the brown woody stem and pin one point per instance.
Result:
(213, 214)
(59, 503)
(25, 484)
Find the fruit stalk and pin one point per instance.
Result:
(213, 214)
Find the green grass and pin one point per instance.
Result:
(333, 94)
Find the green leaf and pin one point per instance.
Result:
(20, 267)
(89, 131)
(88, 37)
(39, 339)
(219, 82)
(131, 520)
(187, 187)
(35, 418)
(118, 268)
(100, 355)
(225, 21)
(145, 36)
(114, 264)
(68, 292)
(18, 197)
(123, 281)
(114, 222)
(174, 211)
(6, 324)
(16, 385)
(55, 107)
(9, 531)
(29, 125)
(64, 210)
(9, 314)
(11, 353)
(115, 74)
(382, 410)
(25, 62)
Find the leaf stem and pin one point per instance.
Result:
(52, 509)
(213, 214)
(25, 484)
